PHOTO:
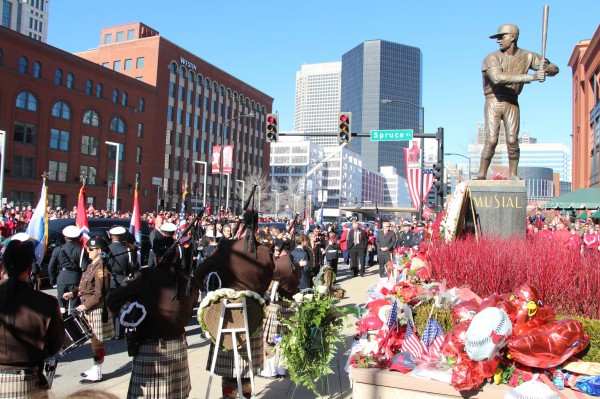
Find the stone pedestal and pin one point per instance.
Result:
(500, 207)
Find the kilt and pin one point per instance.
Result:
(101, 331)
(161, 370)
(20, 386)
(225, 366)
(276, 311)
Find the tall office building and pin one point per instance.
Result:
(378, 70)
(198, 106)
(318, 90)
(29, 17)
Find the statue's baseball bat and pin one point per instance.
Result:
(545, 30)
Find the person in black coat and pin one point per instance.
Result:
(385, 241)
(357, 247)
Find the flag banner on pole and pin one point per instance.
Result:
(413, 179)
(228, 159)
(135, 225)
(182, 216)
(82, 220)
(216, 157)
(38, 226)
(321, 217)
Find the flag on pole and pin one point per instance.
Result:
(413, 180)
(135, 225)
(82, 220)
(38, 226)
(392, 321)
(412, 344)
(321, 217)
(182, 216)
(432, 330)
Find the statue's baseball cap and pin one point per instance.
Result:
(504, 29)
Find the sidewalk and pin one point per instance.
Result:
(268, 388)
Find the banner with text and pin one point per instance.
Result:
(227, 159)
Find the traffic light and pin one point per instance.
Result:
(345, 128)
(439, 170)
(438, 178)
(273, 128)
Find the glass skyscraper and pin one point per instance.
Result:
(378, 70)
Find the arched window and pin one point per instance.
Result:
(191, 76)
(200, 80)
(23, 64)
(26, 100)
(37, 70)
(61, 110)
(117, 125)
(221, 90)
(99, 90)
(70, 80)
(173, 68)
(214, 87)
(207, 84)
(142, 105)
(115, 96)
(89, 86)
(58, 76)
(182, 72)
(90, 117)
(124, 98)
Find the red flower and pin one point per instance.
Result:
(514, 380)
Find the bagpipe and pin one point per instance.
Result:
(235, 229)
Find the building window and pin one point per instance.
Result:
(179, 116)
(115, 96)
(90, 174)
(142, 105)
(59, 139)
(58, 76)
(173, 68)
(202, 147)
(195, 144)
(6, 13)
(170, 113)
(56, 200)
(119, 37)
(176, 161)
(140, 130)
(61, 110)
(70, 80)
(188, 119)
(128, 64)
(180, 94)
(106, 64)
(108, 38)
(89, 145)
(138, 155)
(26, 100)
(124, 98)
(99, 90)
(57, 171)
(178, 140)
(37, 70)
(24, 132)
(190, 96)
(117, 65)
(117, 125)
(139, 63)
(172, 89)
(22, 166)
(167, 161)
(196, 122)
(130, 34)
(112, 152)
(23, 64)
(90, 117)
(204, 124)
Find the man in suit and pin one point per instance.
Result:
(357, 247)
(385, 242)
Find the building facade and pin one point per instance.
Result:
(585, 66)
(198, 105)
(317, 104)
(29, 17)
(377, 70)
(58, 112)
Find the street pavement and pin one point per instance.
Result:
(116, 369)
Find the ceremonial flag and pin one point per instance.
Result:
(413, 180)
(82, 220)
(182, 217)
(412, 344)
(321, 217)
(38, 226)
(135, 225)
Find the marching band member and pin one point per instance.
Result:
(94, 286)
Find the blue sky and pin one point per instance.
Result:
(265, 42)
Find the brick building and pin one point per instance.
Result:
(197, 106)
(58, 111)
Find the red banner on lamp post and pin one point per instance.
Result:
(227, 159)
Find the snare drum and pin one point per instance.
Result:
(77, 332)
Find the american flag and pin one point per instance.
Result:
(432, 330)
(182, 217)
(392, 322)
(412, 344)
(135, 224)
(413, 179)
(81, 220)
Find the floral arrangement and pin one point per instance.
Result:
(224, 293)
(511, 375)
(499, 176)
(369, 361)
(314, 331)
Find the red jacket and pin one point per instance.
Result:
(344, 240)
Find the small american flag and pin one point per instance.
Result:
(392, 320)
(412, 344)
(432, 330)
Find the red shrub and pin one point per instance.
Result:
(568, 281)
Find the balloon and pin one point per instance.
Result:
(374, 306)
(464, 310)
(549, 345)
(454, 343)
(370, 323)
(530, 309)
(487, 334)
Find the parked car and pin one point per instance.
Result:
(98, 227)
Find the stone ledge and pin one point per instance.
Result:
(385, 384)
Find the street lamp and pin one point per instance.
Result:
(463, 156)
(251, 114)
(118, 145)
(276, 203)
(227, 198)
(259, 188)
(421, 163)
(243, 189)
(203, 187)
